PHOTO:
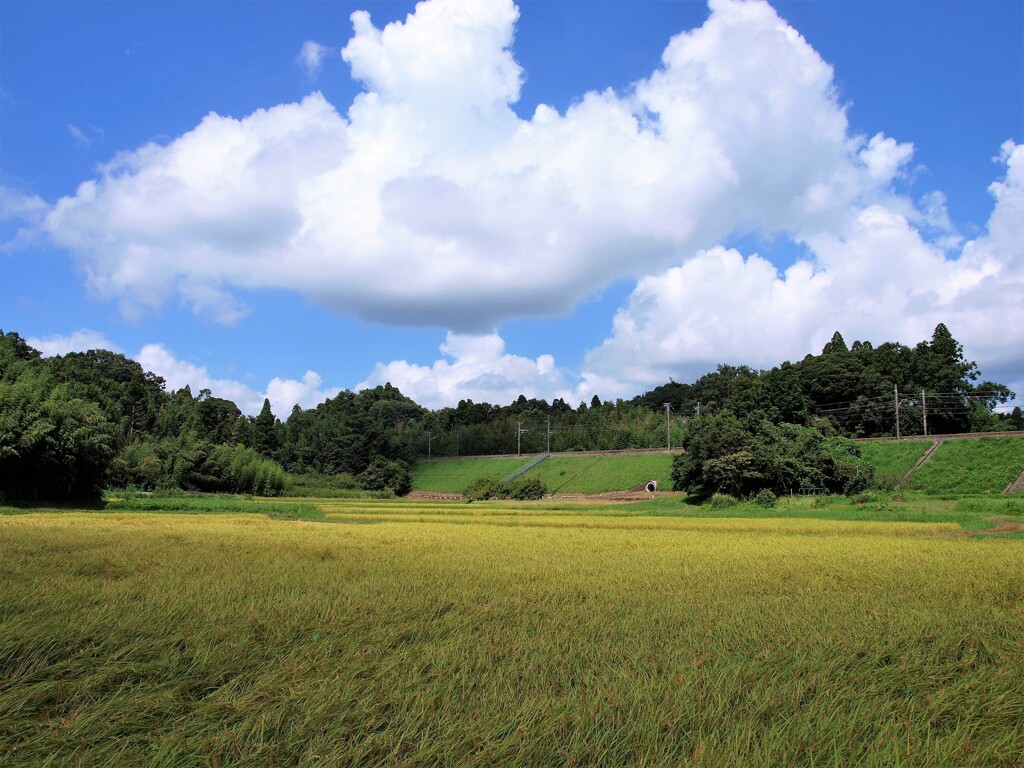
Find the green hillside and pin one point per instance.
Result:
(600, 474)
(892, 460)
(987, 465)
(563, 473)
(453, 475)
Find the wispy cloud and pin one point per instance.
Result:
(84, 137)
(79, 136)
(312, 55)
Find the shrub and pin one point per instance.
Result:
(766, 498)
(722, 501)
(523, 489)
(481, 489)
(520, 489)
(384, 474)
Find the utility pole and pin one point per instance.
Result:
(550, 432)
(519, 437)
(896, 390)
(697, 409)
(430, 439)
(924, 413)
(668, 425)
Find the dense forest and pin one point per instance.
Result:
(75, 424)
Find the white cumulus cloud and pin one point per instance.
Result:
(877, 279)
(81, 340)
(474, 367)
(428, 201)
(283, 394)
(177, 373)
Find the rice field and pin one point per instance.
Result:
(501, 634)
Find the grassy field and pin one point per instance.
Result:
(537, 634)
(892, 460)
(453, 475)
(987, 465)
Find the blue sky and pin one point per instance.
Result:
(446, 207)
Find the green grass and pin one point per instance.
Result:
(453, 475)
(222, 504)
(892, 460)
(202, 640)
(987, 465)
(600, 474)
(190, 504)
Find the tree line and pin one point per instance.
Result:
(74, 424)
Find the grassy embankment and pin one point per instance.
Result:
(980, 466)
(552, 633)
(892, 460)
(600, 474)
(561, 473)
(453, 475)
(959, 466)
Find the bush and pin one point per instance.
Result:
(384, 474)
(722, 501)
(341, 485)
(481, 489)
(523, 489)
(520, 489)
(766, 498)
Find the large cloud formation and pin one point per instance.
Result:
(875, 278)
(432, 203)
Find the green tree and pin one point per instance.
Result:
(53, 446)
(725, 456)
(384, 474)
(265, 431)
